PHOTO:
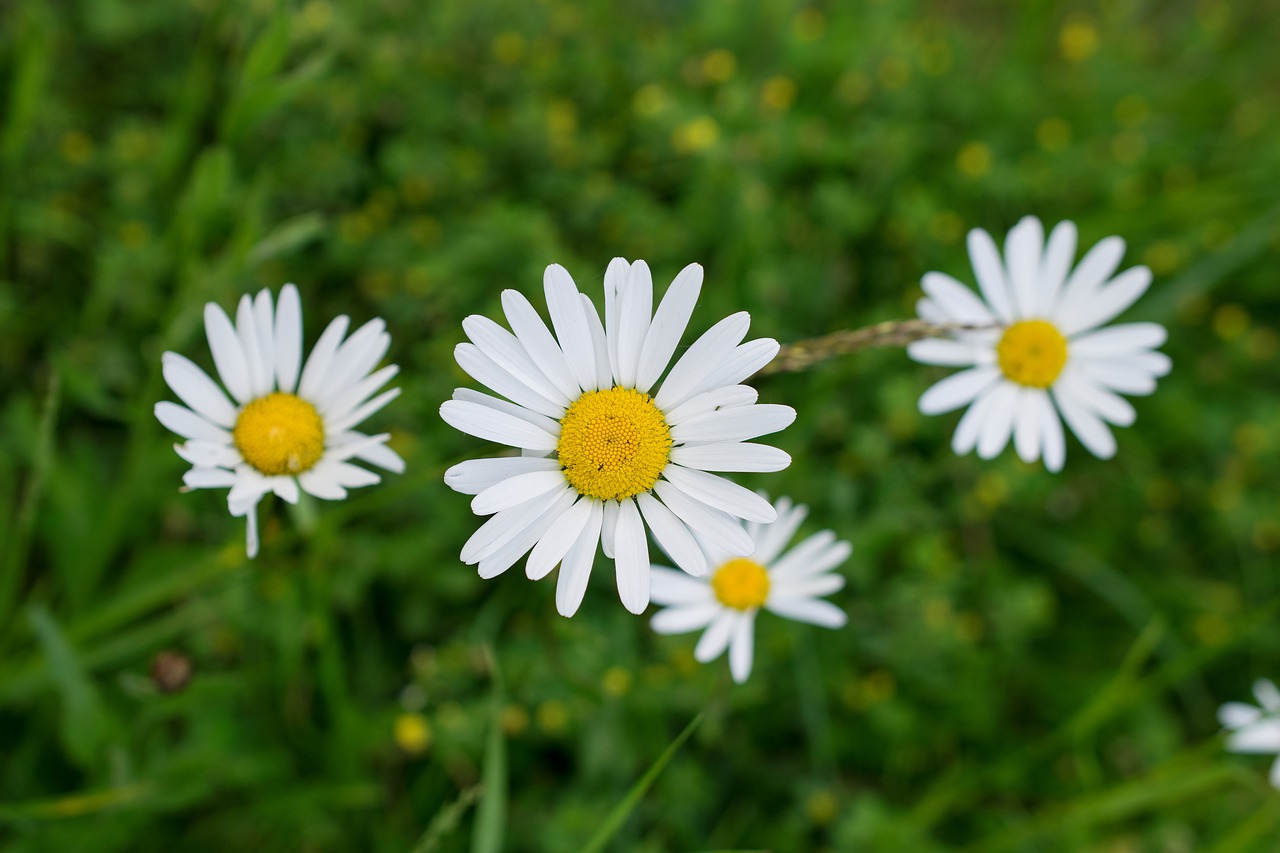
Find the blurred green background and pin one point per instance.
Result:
(1033, 662)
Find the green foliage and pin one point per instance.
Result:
(1033, 662)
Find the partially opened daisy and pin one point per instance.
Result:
(285, 425)
(1041, 357)
(602, 457)
(1255, 729)
(727, 599)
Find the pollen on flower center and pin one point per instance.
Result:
(1032, 353)
(613, 444)
(279, 434)
(741, 584)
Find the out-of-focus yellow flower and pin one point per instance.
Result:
(412, 733)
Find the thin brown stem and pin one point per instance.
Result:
(892, 333)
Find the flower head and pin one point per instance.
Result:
(286, 425)
(727, 599)
(1039, 357)
(1255, 729)
(606, 448)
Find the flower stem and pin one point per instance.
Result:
(892, 333)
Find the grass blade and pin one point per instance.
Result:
(491, 816)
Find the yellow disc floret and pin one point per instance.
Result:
(613, 444)
(279, 434)
(741, 584)
(1032, 353)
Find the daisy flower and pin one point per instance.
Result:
(727, 599)
(602, 457)
(1043, 358)
(283, 428)
(1255, 729)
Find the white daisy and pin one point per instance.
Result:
(602, 458)
(282, 428)
(1255, 729)
(726, 601)
(1044, 355)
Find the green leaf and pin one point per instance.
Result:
(491, 817)
(84, 724)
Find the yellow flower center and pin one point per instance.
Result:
(613, 444)
(1032, 353)
(279, 434)
(741, 584)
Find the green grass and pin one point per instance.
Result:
(1033, 662)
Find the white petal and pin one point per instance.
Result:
(251, 533)
(949, 353)
(559, 538)
(516, 490)
(357, 416)
(570, 323)
(1115, 375)
(604, 371)
(1083, 387)
(720, 493)
(953, 301)
(740, 647)
(702, 520)
(228, 355)
(712, 348)
(999, 425)
(1119, 340)
(609, 528)
(974, 419)
(475, 475)
(249, 488)
(353, 361)
(676, 588)
(1091, 431)
(814, 611)
(288, 338)
(1101, 306)
(742, 362)
(632, 547)
(484, 422)
(635, 313)
(341, 405)
(538, 343)
(672, 535)
(774, 537)
(194, 387)
(209, 478)
(1267, 694)
(1055, 444)
(669, 324)
(989, 271)
(260, 379)
(264, 324)
(188, 424)
(504, 557)
(502, 527)
(286, 488)
(1261, 737)
(551, 425)
(734, 456)
(1274, 775)
(1237, 715)
(813, 585)
(575, 569)
(713, 641)
(313, 372)
(1054, 265)
(957, 390)
(371, 449)
(679, 620)
(322, 482)
(730, 397)
(1026, 424)
(1022, 249)
(823, 555)
(489, 373)
(209, 454)
(737, 424)
(615, 279)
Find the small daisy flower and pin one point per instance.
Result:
(727, 599)
(1045, 358)
(1255, 729)
(602, 457)
(283, 427)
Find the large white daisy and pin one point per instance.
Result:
(1043, 354)
(283, 427)
(1255, 729)
(726, 601)
(602, 458)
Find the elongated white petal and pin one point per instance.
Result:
(741, 645)
(570, 323)
(1237, 715)
(707, 402)
(1118, 340)
(716, 638)
(1055, 444)
(958, 389)
(483, 422)
(609, 528)
(322, 482)
(680, 620)
(313, 372)
(604, 370)
(505, 556)
(1097, 398)
(344, 404)
(209, 478)
(1104, 304)
(733, 456)
(615, 280)
(670, 587)
(632, 547)
(286, 488)
(188, 424)
(737, 424)
(1022, 248)
(559, 538)
(815, 555)
(1267, 694)
(635, 312)
(551, 425)
(999, 425)
(1088, 277)
(288, 339)
(353, 361)
(228, 354)
(949, 353)
(194, 387)
(742, 362)
(487, 372)
(1261, 737)
(539, 343)
(575, 569)
(973, 420)
(209, 454)
(264, 326)
(809, 586)
(357, 416)
(1055, 263)
(1082, 421)
(475, 475)
(669, 324)
(713, 524)
(989, 271)
(672, 535)
(516, 490)
(721, 493)
(814, 611)
(1026, 424)
(953, 302)
(774, 537)
(502, 527)
(700, 359)
(260, 380)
